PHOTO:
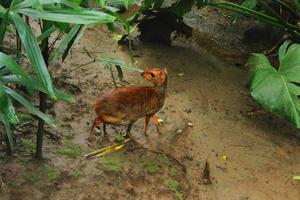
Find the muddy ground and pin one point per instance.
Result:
(208, 116)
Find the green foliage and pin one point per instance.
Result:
(70, 149)
(63, 17)
(151, 167)
(27, 146)
(74, 174)
(51, 172)
(33, 177)
(173, 186)
(111, 163)
(251, 4)
(172, 171)
(278, 90)
(267, 13)
(119, 137)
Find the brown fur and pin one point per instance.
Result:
(133, 102)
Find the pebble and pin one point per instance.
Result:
(190, 124)
(179, 131)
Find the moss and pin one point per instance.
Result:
(51, 172)
(70, 149)
(152, 168)
(173, 186)
(27, 146)
(74, 174)
(164, 160)
(32, 177)
(172, 171)
(110, 164)
(22, 161)
(119, 137)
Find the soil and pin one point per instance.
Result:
(209, 116)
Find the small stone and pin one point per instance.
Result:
(180, 74)
(179, 131)
(188, 110)
(190, 124)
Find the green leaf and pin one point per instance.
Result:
(34, 53)
(63, 45)
(6, 107)
(297, 4)
(282, 50)
(251, 4)
(28, 105)
(36, 4)
(110, 61)
(70, 16)
(12, 66)
(3, 25)
(74, 41)
(8, 131)
(47, 33)
(276, 89)
(30, 3)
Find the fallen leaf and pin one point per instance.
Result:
(180, 74)
(296, 178)
(160, 121)
(224, 157)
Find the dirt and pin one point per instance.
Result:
(208, 116)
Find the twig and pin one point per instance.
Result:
(239, 145)
(82, 65)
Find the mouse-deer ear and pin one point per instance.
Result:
(165, 70)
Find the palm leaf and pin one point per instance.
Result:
(28, 105)
(34, 53)
(69, 16)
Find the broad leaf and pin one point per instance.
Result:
(277, 90)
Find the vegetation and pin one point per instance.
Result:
(56, 19)
(51, 173)
(70, 149)
(173, 186)
(279, 13)
(277, 89)
(111, 163)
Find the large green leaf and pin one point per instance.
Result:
(69, 16)
(277, 90)
(34, 53)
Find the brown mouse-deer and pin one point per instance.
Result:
(133, 102)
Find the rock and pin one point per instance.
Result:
(179, 131)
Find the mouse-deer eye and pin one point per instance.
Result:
(152, 75)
